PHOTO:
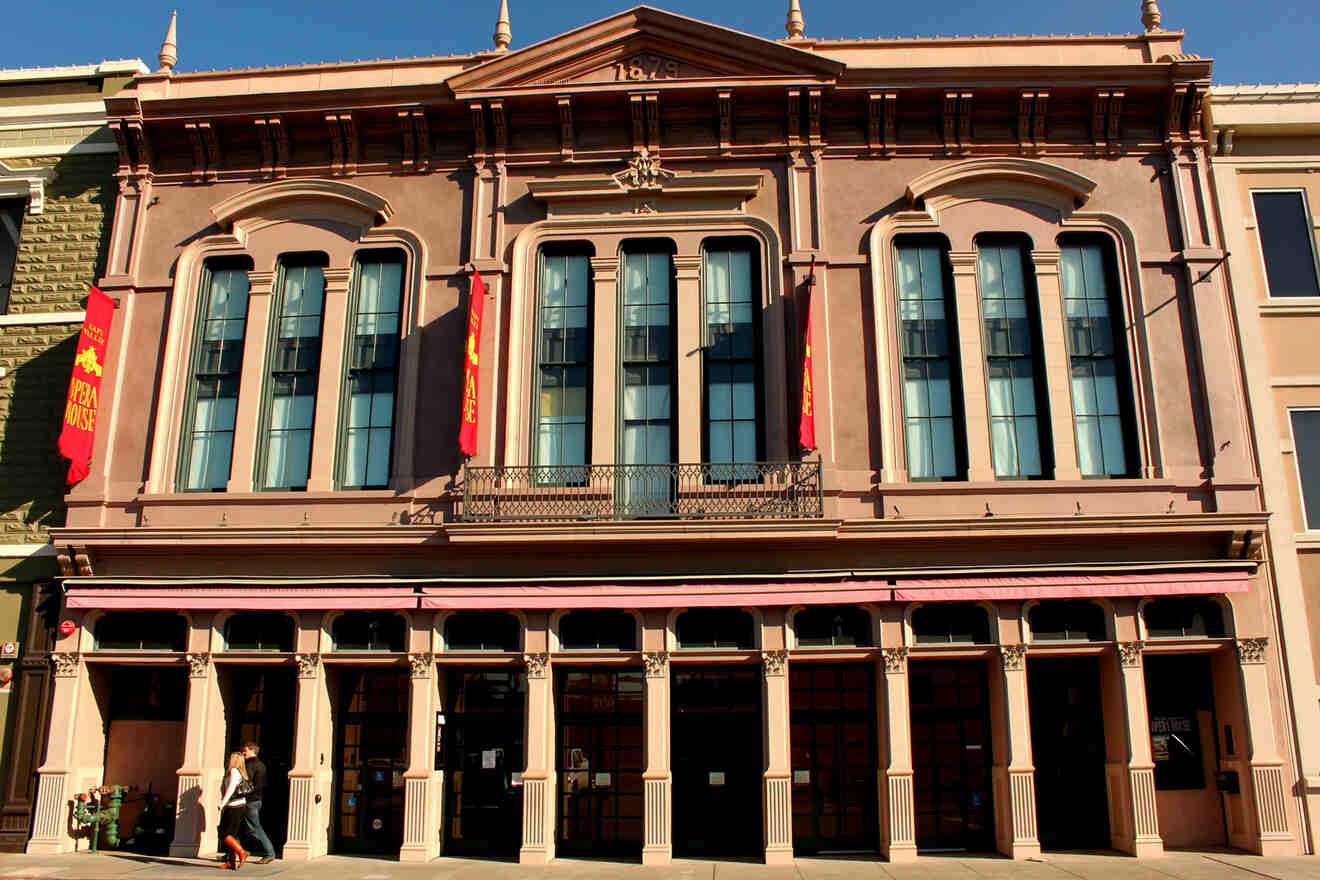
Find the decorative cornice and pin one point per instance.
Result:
(657, 664)
(199, 663)
(259, 199)
(28, 183)
(1129, 653)
(774, 663)
(1041, 174)
(1013, 657)
(1252, 651)
(538, 665)
(420, 664)
(895, 660)
(308, 664)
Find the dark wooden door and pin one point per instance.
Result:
(371, 758)
(1068, 751)
(262, 711)
(951, 755)
(484, 756)
(601, 760)
(717, 763)
(834, 757)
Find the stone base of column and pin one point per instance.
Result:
(899, 852)
(778, 818)
(658, 849)
(303, 843)
(1017, 813)
(51, 835)
(538, 846)
(898, 834)
(296, 852)
(421, 839)
(527, 856)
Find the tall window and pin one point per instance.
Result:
(732, 355)
(11, 221)
(1096, 357)
(1287, 242)
(931, 422)
(372, 371)
(295, 361)
(1306, 449)
(647, 352)
(563, 405)
(216, 368)
(1018, 438)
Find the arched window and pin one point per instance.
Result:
(598, 630)
(715, 628)
(1184, 617)
(259, 631)
(368, 631)
(832, 626)
(928, 338)
(1061, 620)
(950, 623)
(482, 631)
(142, 631)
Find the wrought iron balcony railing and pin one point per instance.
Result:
(708, 490)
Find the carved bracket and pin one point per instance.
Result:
(882, 122)
(724, 107)
(342, 131)
(567, 135)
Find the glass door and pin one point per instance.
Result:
(484, 759)
(951, 755)
(372, 757)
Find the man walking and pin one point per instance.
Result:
(256, 772)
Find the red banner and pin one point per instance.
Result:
(807, 422)
(467, 431)
(79, 432)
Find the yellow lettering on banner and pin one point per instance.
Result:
(81, 417)
(470, 398)
(806, 394)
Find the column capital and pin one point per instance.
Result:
(774, 663)
(199, 663)
(66, 663)
(420, 664)
(1252, 651)
(657, 663)
(1013, 657)
(1129, 653)
(538, 665)
(308, 664)
(895, 660)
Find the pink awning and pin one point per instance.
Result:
(696, 595)
(242, 598)
(1069, 586)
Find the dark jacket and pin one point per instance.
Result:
(256, 772)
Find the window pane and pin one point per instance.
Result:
(1287, 242)
(928, 389)
(291, 384)
(218, 362)
(1306, 440)
(372, 373)
(648, 402)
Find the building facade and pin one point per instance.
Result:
(56, 193)
(1013, 600)
(1266, 142)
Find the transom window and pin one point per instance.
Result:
(295, 361)
(368, 631)
(141, 631)
(1059, 620)
(946, 623)
(598, 630)
(731, 356)
(832, 626)
(931, 388)
(11, 223)
(1184, 617)
(259, 631)
(217, 365)
(563, 415)
(1019, 440)
(1097, 360)
(482, 631)
(715, 628)
(372, 370)
(1287, 242)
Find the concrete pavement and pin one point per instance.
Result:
(1054, 866)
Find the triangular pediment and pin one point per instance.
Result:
(644, 46)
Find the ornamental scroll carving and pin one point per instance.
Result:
(774, 662)
(895, 659)
(66, 663)
(1129, 653)
(643, 172)
(1252, 650)
(1013, 656)
(307, 664)
(419, 664)
(538, 665)
(198, 664)
(657, 664)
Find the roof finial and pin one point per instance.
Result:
(169, 48)
(795, 24)
(1150, 15)
(503, 33)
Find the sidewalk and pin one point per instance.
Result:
(1055, 866)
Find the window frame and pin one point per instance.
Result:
(568, 247)
(734, 473)
(1309, 219)
(260, 464)
(267, 615)
(1297, 466)
(189, 413)
(646, 245)
(22, 206)
(345, 378)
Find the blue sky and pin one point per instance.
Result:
(1264, 41)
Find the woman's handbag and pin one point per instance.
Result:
(243, 789)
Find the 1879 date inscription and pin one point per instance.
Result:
(646, 66)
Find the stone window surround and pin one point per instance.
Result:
(254, 218)
(687, 231)
(936, 196)
(1254, 225)
(26, 183)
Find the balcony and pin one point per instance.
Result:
(708, 490)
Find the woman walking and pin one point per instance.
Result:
(233, 806)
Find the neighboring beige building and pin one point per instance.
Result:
(57, 159)
(1266, 179)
